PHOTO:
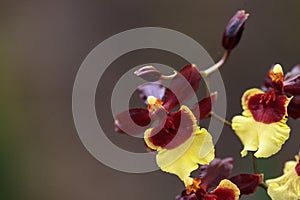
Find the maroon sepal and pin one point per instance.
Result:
(297, 168)
(182, 87)
(247, 183)
(203, 108)
(217, 170)
(133, 121)
(292, 85)
(155, 89)
(294, 107)
(234, 29)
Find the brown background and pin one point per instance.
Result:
(42, 46)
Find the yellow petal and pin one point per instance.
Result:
(286, 186)
(266, 139)
(182, 160)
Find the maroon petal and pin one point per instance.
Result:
(217, 170)
(151, 89)
(297, 168)
(294, 107)
(234, 29)
(247, 183)
(292, 85)
(268, 107)
(133, 121)
(176, 129)
(203, 108)
(182, 87)
(293, 73)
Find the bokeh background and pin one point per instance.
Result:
(42, 46)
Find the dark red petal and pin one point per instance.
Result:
(267, 108)
(247, 183)
(203, 108)
(217, 170)
(151, 89)
(234, 29)
(182, 87)
(177, 128)
(133, 121)
(294, 107)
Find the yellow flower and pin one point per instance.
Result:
(262, 126)
(190, 146)
(287, 186)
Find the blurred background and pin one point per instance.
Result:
(43, 44)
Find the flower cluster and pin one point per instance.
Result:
(171, 129)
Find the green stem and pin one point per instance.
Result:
(216, 66)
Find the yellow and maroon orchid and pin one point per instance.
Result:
(180, 143)
(216, 175)
(262, 126)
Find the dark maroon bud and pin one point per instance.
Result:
(234, 30)
(148, 73)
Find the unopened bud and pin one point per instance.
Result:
(148, 73)
(234, 30)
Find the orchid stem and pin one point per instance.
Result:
(254, 163)
(216, 66)
(255, 170)
(221, 119)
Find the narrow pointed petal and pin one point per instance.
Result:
(182, 87)
(133, 121)
(247, 183)
(203, 108)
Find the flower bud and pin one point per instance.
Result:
(148, 73)
(234, 29)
